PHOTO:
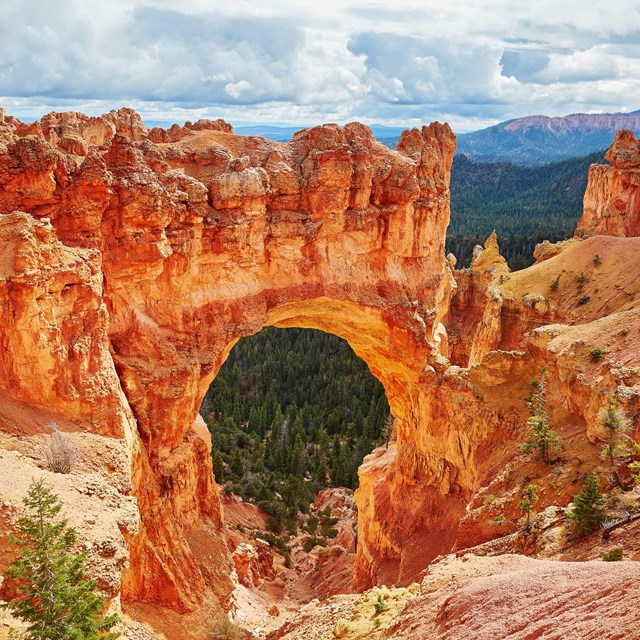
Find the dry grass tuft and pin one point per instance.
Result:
(58, 451)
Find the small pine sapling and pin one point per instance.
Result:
(620, 443)
(541, 436)
(387, 430)
(529, 496)
(588, 513)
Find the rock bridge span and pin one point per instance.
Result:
(136, 258)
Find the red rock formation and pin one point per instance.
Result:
(341, 505)
(199, 238)
(254, 563)
(612, 198)
(142, 257)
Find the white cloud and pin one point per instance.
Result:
(472, 63)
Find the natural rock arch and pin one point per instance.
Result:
(192, 238)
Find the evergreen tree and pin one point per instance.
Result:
(587, 512)
(541, 436)
(54, 598)
(236, 465)
(387, 430)
(617, 426)
(529, 496)
(218, 468)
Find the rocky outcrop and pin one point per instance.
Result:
(341, 505)
(612, 198)
(176, 244)
(254, 563)
(510, 597)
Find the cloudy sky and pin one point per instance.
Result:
(398, 62)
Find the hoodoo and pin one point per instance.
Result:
(612, 198)
(135, 259)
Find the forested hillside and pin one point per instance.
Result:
(537, 140)
(524, 204)
(290, 412)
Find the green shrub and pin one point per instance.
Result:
(529, 496)
(309, 543)
(587, 513)
(596, 354)
(312, 525)
(613, 556)
(277, 543)
(620, 443)
(556, 282)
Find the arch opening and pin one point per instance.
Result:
(293, 412)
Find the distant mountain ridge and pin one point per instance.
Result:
(530, 141)
(537, 140)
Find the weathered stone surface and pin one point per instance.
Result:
(612, 198)
(198, 238)
(511, 597)
(254, 563)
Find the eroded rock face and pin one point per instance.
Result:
(254, 563)
(136, 259)
(182, 242)
(488, 599)
(612, 200)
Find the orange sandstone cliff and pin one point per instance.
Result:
(612, 200)
(134, 259)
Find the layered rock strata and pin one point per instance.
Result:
(173, 245)
(612, 198)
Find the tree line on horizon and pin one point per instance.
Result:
(525, 205)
